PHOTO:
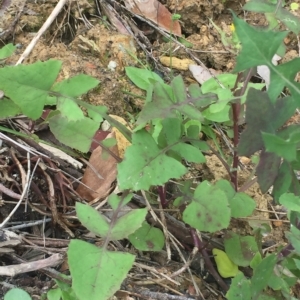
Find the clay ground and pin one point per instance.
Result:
(70, 41)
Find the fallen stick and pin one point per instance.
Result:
(59, 6)
(13, 270)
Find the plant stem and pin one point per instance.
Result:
(235, 112)
(199, 244)
(162, 196)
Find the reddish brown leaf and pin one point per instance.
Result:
(104, 166)
(156, 12)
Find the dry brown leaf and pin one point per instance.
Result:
(156, 12)
(106, 167)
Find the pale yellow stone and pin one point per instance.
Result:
(176, 63)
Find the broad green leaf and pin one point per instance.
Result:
(77, 135)
(17, 293)
(209, 210)
(240, 288)
(267, 170)
(262, 274)
(294, 237)
(283, 180)
(69, 109)
(258, 47)
(259, 114)
(220, 116)
(221, 104)
(226, 187)
(7, 51)
(128, 224)
(164, 105)
(147, 238)
(92, 219)
(240, 249)
(241, 205)
(278, 283)
(97, 273)
(96, 113)
(189, 152)
(98, 224)
(118, 202)
(67, 293)
(8, 108)
(54, 294)
(75, 86)
(34, 81)
(290, 201)
(256, 260)
(145, 164)
(288, 19)
(225, 266)
(172, 130)
(142, 78)
(211, 85)
(284, 75)
(262, 6)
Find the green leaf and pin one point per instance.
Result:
(75, 134)
(294, 238)
(98, 224)
(128, 224)
(17, 293)
(116, 202)
(287, 149)
(220, 116)
(209, 209)
(259, 114)
(54, 294)
(189, 152)
(164, 105)
(96, 113)
(92, 219)
(258, 47)
(8, 108)
(211, 85)
(69, 109)
(240, 288)
(34, 81)
(262, 6)
(267, 170)
(288, 19)
(75, 86)
(145, 164)
(290, 201)
(142, 78)
(172, 130)
(241, 205)
(283, 180)
(225, 266)
(147, 238)
(94, 274)
(7, 51)
(256, 260)
(284, 75)
(262, 274)
(240, 249)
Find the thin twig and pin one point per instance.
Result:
(21, 198)
(59, 6)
